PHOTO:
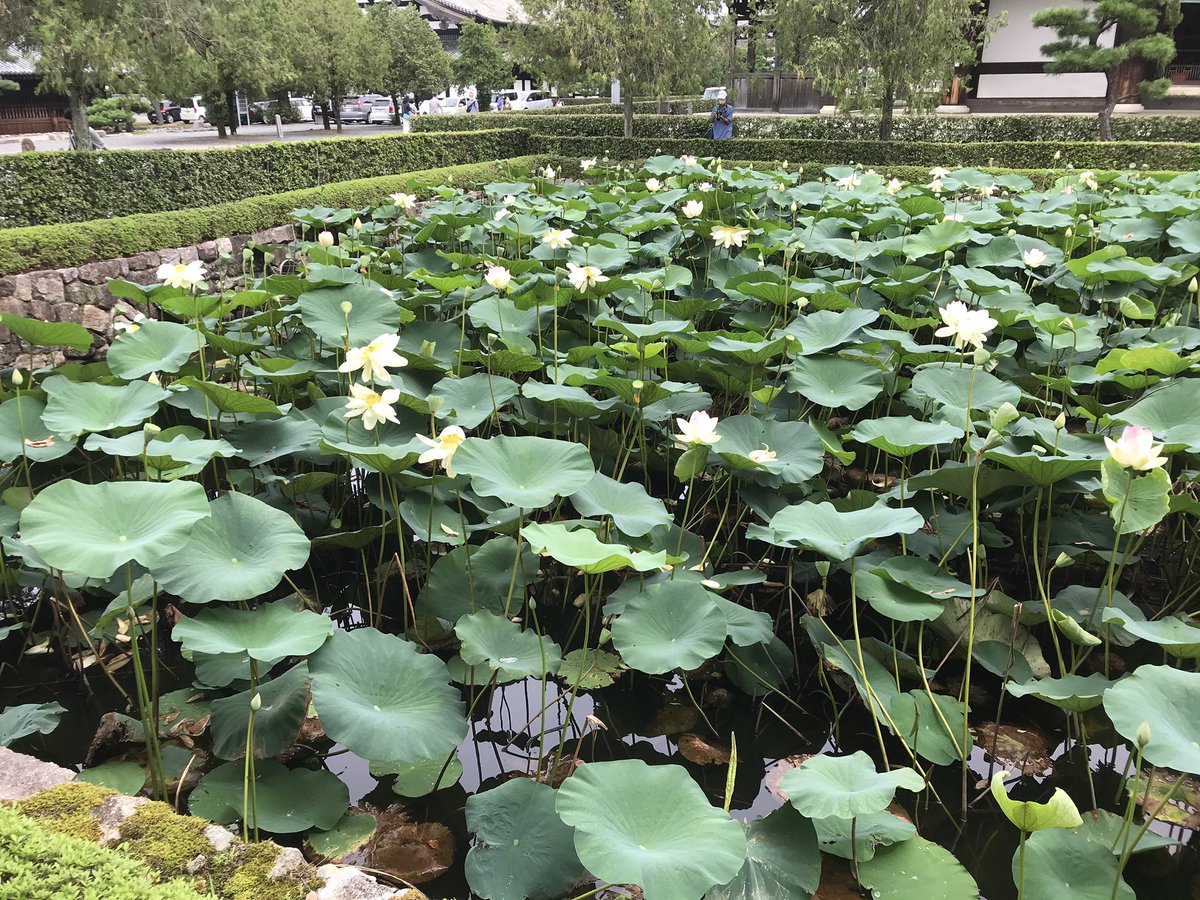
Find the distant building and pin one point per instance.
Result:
(24, 110)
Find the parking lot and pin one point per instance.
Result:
(189, 137)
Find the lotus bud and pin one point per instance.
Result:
(948, 256)
(256, 702)
(358, 224)
(154, 379)
(1064, 561)
(435, 403)
(785, 165)
(982, 357)
(1060, 421)
(823, 568)
(325, 238)
(1143, 734)
(1057, 155)
(795, 206)
(1004, 415)
(1012, 232)
(150, 430)
(1070, 232)
(854, 235)
(17, 378)
(427, 349)
(1193, 286)
(346, 307)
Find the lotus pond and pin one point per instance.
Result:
(721, 532)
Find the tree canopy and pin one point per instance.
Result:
(481, 61)
(416, 60)
(337, 51)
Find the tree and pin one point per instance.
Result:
(335, 50)
(871, 53)
(79, 47)
(416, 60)
(481, 61)
(649, 45)
(1142, 39)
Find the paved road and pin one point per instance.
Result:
(186, 137)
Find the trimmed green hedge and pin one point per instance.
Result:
(606, 120)
(1010, 154)
(59, 187)
(56, 246)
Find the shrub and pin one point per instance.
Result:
(56, 246)
(116, 113)
(50, 188)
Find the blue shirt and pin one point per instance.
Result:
(720, 129)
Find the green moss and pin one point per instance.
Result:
(38, 864)
(67, 808)
(244, 873)
(163, 839)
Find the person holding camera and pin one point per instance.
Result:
(720, 122)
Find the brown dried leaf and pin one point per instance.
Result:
(1017, 749)
(701, 751)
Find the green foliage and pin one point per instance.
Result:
(417, 61)
(481, 61)
(38, 864)
(67, 809)
(116, 113)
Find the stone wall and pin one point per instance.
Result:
(78, 294)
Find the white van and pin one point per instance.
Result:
(192, 111)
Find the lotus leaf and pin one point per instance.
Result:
(287, 800)
(528, 472)
(844, 786)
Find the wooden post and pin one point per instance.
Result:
(776, 87)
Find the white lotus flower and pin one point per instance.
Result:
(130, 325)
(935, 185)
(894, 186)
(699, 428)
(498, 278)
(558, 238)
(727, 236)
(501, 214)
(404, 201)
(1068, 190)
(938, 172)
(693, 208)
(653, 184)
(763, 455)
(325, 238)
(180, 275)
(986, 190)
(965, 325)
(1034, 258)
(687, 160)
(1136, 449)
(373, 407)
(584, 277)
(509, 200)
(375, 359)
(850, 182)
(549, 173)
(952, 217)
(704, 186)
(442, 449)
(586, 164)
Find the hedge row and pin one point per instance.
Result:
(58, 246)
(606, 120)
(1011, 154)
(59, 187)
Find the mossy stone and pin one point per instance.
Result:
(67, 809)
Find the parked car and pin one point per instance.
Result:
(713, 93)
(358, 109)
(192, 110)
(523, 99)
(305, 111)
(382, 111)
(164, 112)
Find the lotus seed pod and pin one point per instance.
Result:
(982, 357)
(823, 568)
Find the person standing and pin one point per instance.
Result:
(472, 101)
(721, 120)
(435, 105)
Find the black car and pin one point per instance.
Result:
(166, 112)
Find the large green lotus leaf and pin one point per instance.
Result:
(924, 576)
(284, 703)
(471, 401)
(835, 383)
(782, 860)
(154, 347)
(23, 433)
(581, 549)
(1175, 635)
(286, 800)
(471, 578)
(840, 535)
(352, 832)
(825, 329)
(1108, 829)
(93, 529)
(270, 632)
(904, 435)
(204, 399)
(1169, 410)
(869, 833)
(950, 387)
(522, 850)
(1028, 815)
(21, 721)
(590, 669)
(267, 439)
(799, 453)
(48, 334)
(651, 826)
(935, 733)
(917, 869)
(1138, 501)
(77, 407)
(1043, 470)
(633, 511)
(528, 472)
(1074, 693)
(936, 238)
(1061, 863)
(382, 698)
(895, 600)
(670, 625)
(418, 778)
(122, 776)
(746, 627)
(373, 312)
(241, 552)
(504, 647)
(1169, 700)
(844, 786)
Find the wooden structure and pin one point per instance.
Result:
(25, 110)
(777, 92)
